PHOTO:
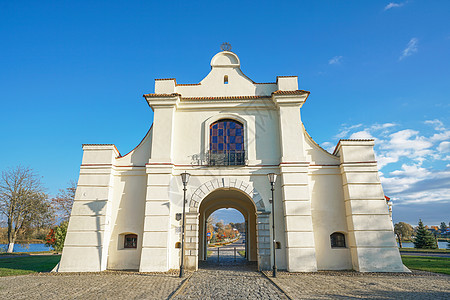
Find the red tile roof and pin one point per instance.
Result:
(357, 140)
(161, 95)
(225, 98)
(296, 92)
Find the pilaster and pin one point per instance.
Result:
(155, 243)
(263, 240)
(291, 130)
(300, 245)
(191, 240)
(155, 254)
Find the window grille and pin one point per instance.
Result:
(337, 240)
(130, 241)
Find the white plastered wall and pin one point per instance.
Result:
(327, 204)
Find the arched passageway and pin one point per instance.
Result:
(229, 198)
(222, 193)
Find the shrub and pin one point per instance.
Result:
(56, 236)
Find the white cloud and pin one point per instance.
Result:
(361, 135)
(410, 49)
(335, 60)
(438, 125)
(414, 171)
(444, 147)
(407, 140)
(382, 126)
(392, 5)
(442, 136)
(345, 130)
(424, 173)
(414, 184)
(328, 146)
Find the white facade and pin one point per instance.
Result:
(316, 193)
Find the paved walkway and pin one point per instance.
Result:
(229, 279)
(102, 285)
(354, 285)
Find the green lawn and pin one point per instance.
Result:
(22, 265)
(431, 264)
(242, 253)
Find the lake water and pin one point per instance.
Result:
(441, 245)
(26, 248)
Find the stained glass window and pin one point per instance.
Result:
(227, 142)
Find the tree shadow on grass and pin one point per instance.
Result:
(28, 264)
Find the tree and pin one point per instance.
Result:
(239, 226)
(424, 238)
(403, 231)
(443, 227)
(63, 201)
(22, 201)
(219, 228)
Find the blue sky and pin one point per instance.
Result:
(73, 72)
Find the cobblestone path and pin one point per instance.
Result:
(103, 285)
(226, 279)
(229, 280)
(354, 285)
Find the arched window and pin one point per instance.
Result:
(337, 240)
(226, 143)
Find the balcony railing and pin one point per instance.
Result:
(226, 158)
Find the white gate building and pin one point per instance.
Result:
(229, 132)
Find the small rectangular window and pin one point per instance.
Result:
(225, 79)
(130, 241)
(337, 240)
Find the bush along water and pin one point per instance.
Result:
(56, 236)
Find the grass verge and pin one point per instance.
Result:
(242, 253)
(427, 263)
(24, 265)
(424, 250)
